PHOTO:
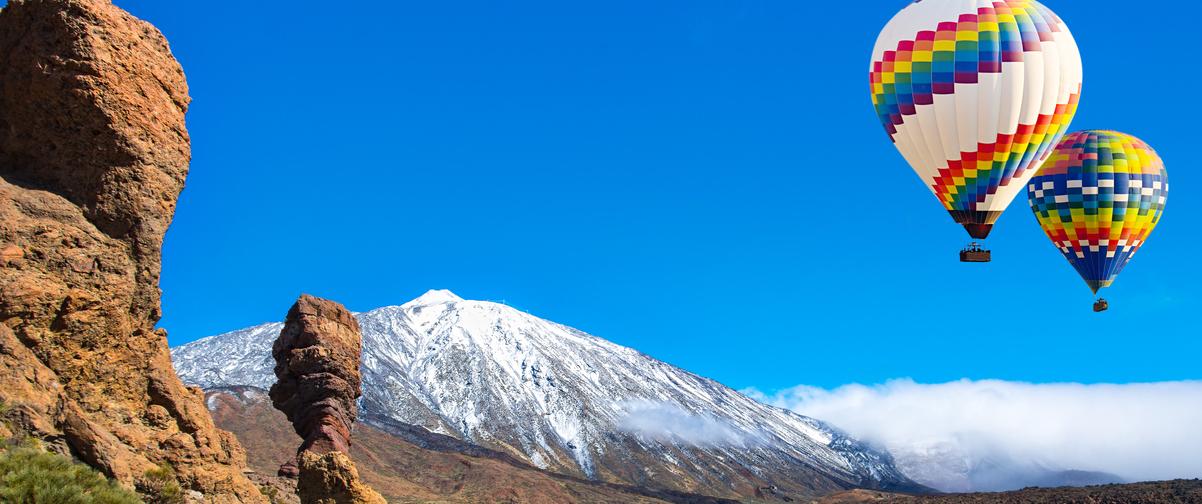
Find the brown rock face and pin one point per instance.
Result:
(93, 155)
(332, 478)
(317, 371)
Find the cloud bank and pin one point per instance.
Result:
(1139, 432)
(669, 423)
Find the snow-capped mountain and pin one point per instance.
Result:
(565, 401)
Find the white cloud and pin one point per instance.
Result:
(669, 423)
(1139, 432)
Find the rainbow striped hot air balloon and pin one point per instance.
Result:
(1098, 197)
(974, 94)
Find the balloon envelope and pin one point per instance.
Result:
(1098, 197)
(974, 94)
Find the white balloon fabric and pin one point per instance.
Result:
(975, 94)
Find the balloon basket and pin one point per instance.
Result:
(973, 253)
(1100, 306)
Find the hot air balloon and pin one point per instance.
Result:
(974, 94)
(1098, 197)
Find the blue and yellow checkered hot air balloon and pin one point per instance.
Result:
(1098, 197)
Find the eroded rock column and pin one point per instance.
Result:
(317, 370)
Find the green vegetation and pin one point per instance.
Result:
(272, 494)
(6, 425)
(28, 474)
(160, 486)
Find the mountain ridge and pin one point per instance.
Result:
(566, 401)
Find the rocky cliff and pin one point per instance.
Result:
(93, 155)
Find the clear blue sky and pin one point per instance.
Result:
(704, 181)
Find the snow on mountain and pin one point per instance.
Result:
(565, 401)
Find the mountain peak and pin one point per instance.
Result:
(435, 296)
(561, 400)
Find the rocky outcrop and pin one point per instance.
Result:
(93, 155)
(332, 478)
(317, 371)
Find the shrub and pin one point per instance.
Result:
(272, 494)
(160, 486)
(31, 475)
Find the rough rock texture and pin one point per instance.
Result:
(317, 370)
(93, 155)
(331, 478)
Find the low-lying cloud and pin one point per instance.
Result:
(1139, 432)
(669, 423)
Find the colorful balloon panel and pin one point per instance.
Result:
(974, 94)
(1098, 197)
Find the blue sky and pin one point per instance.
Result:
(702, 180)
